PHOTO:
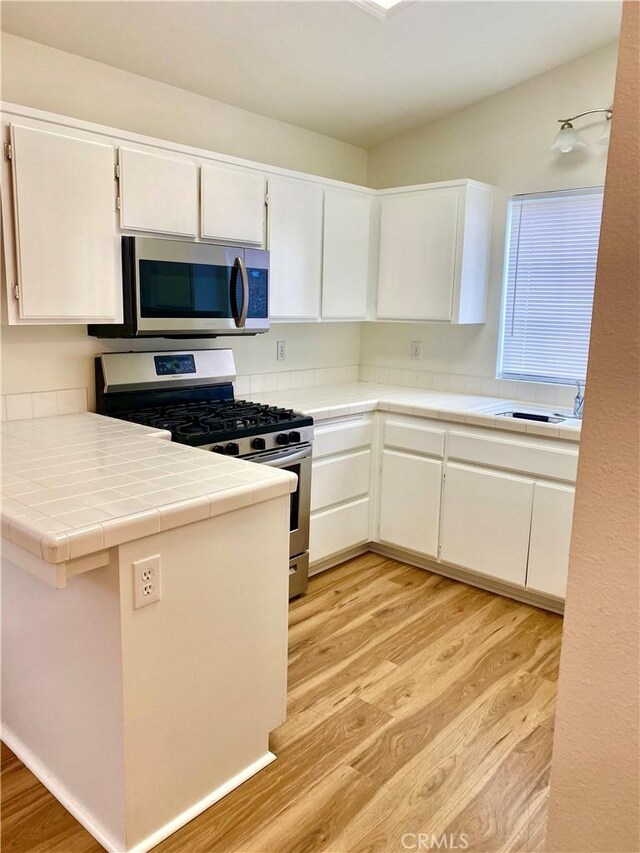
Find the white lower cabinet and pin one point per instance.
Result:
(498, 505)
(486, 519)
(550, 538)
(338, 529)
(410, 502)
(340, 484)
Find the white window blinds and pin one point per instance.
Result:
(552, 246)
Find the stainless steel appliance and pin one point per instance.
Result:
(190, 393)
(172, 288)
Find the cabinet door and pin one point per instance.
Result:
(345, 265)
(67, 251)
(550, 538)
(486, 518)
(295, 243)
(410, 502)
(418, 238)
(158, 194)
(233, 205)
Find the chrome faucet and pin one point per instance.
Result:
(578, 402)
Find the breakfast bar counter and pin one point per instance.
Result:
(144, 620)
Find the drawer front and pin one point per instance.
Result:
(560, 463)
(415, 438)
(338, 529)
(336, 438)
(340, 479)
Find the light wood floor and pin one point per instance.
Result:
(416, 705)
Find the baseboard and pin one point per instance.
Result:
(94, 826)
(336, 559)
(537, 599)
(201, 806)
(58, 790)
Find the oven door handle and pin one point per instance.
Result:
(284, 459)
(240, 317)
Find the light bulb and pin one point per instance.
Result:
(567, 139)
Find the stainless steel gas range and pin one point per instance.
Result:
(190, 393)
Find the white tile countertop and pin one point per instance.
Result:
(73, 485)
(334, 401)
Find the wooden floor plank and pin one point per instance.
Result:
(446, 774)
(417, 704)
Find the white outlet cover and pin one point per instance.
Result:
(282, 350)
(146, 581)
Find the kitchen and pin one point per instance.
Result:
(420, 463)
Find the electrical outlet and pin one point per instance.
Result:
(282, 350)
(146, 581)
(416, 350)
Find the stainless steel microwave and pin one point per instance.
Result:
(176, 289)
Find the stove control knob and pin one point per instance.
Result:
(258, 443)
(283, 438)
(218, 448)
(232, 449)
(294, 437)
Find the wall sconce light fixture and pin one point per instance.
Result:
(568, 139)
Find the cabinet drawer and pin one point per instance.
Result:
(340, 479)
(418, 439)
(338, 529)
(513, 455)
(336, 438)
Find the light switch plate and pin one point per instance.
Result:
(146, 581)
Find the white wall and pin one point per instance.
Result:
(50, 358)
(48, 79)
(503, 140)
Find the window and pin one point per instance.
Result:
(550, 270)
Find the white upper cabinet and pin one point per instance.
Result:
(61, 244)
(233, 205)
(550, 538)
(434, 253)
(158, 194)
(295, 244)
(345, 265)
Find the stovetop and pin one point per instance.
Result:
(210, 422)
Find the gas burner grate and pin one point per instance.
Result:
(195, 421)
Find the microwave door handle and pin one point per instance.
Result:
(241, 318)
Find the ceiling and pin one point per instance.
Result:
(326, 65)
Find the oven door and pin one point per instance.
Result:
(298, 461)
(198, 287)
